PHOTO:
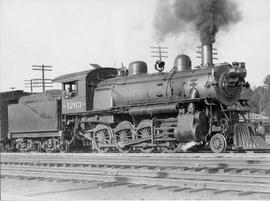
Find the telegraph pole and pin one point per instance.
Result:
(29, 84)
(42, 68)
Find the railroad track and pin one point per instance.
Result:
(248, 173)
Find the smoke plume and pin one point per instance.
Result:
(206, 16)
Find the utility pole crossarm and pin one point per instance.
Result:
(41, 66)
(159, 51)
(38, 79)
(159, 56)
(159, 47)
(41, 69)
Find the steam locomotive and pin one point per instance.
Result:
(125, 110)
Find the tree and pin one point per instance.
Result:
(267, 81)
(266, 97)
(246, 93)
(259, 97)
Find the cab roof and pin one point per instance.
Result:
(80, 75)
(72, 76)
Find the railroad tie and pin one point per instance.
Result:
(181, 189)
(136, 185)
(108, 184)
(166, 187)
(151, 186)
(220, 191)
(195, 190)
(245, 193)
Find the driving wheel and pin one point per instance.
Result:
(144, 131)
(123, 134)
(102, 137)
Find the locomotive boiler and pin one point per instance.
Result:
(223, 82)
(128, 109)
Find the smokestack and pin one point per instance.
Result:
(207, 55)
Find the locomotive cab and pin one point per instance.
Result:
(78, 88)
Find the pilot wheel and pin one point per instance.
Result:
(218, 143)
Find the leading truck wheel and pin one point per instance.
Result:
(218, 143)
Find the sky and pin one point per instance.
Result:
(69, 34)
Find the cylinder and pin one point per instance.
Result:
(207, 55)
(188, 130)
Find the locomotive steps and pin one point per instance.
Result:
(219, 172)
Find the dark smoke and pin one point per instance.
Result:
(206, 16)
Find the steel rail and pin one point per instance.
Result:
(174, 155)
(145, 172)
(262, 163)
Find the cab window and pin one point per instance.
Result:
(70, 89)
